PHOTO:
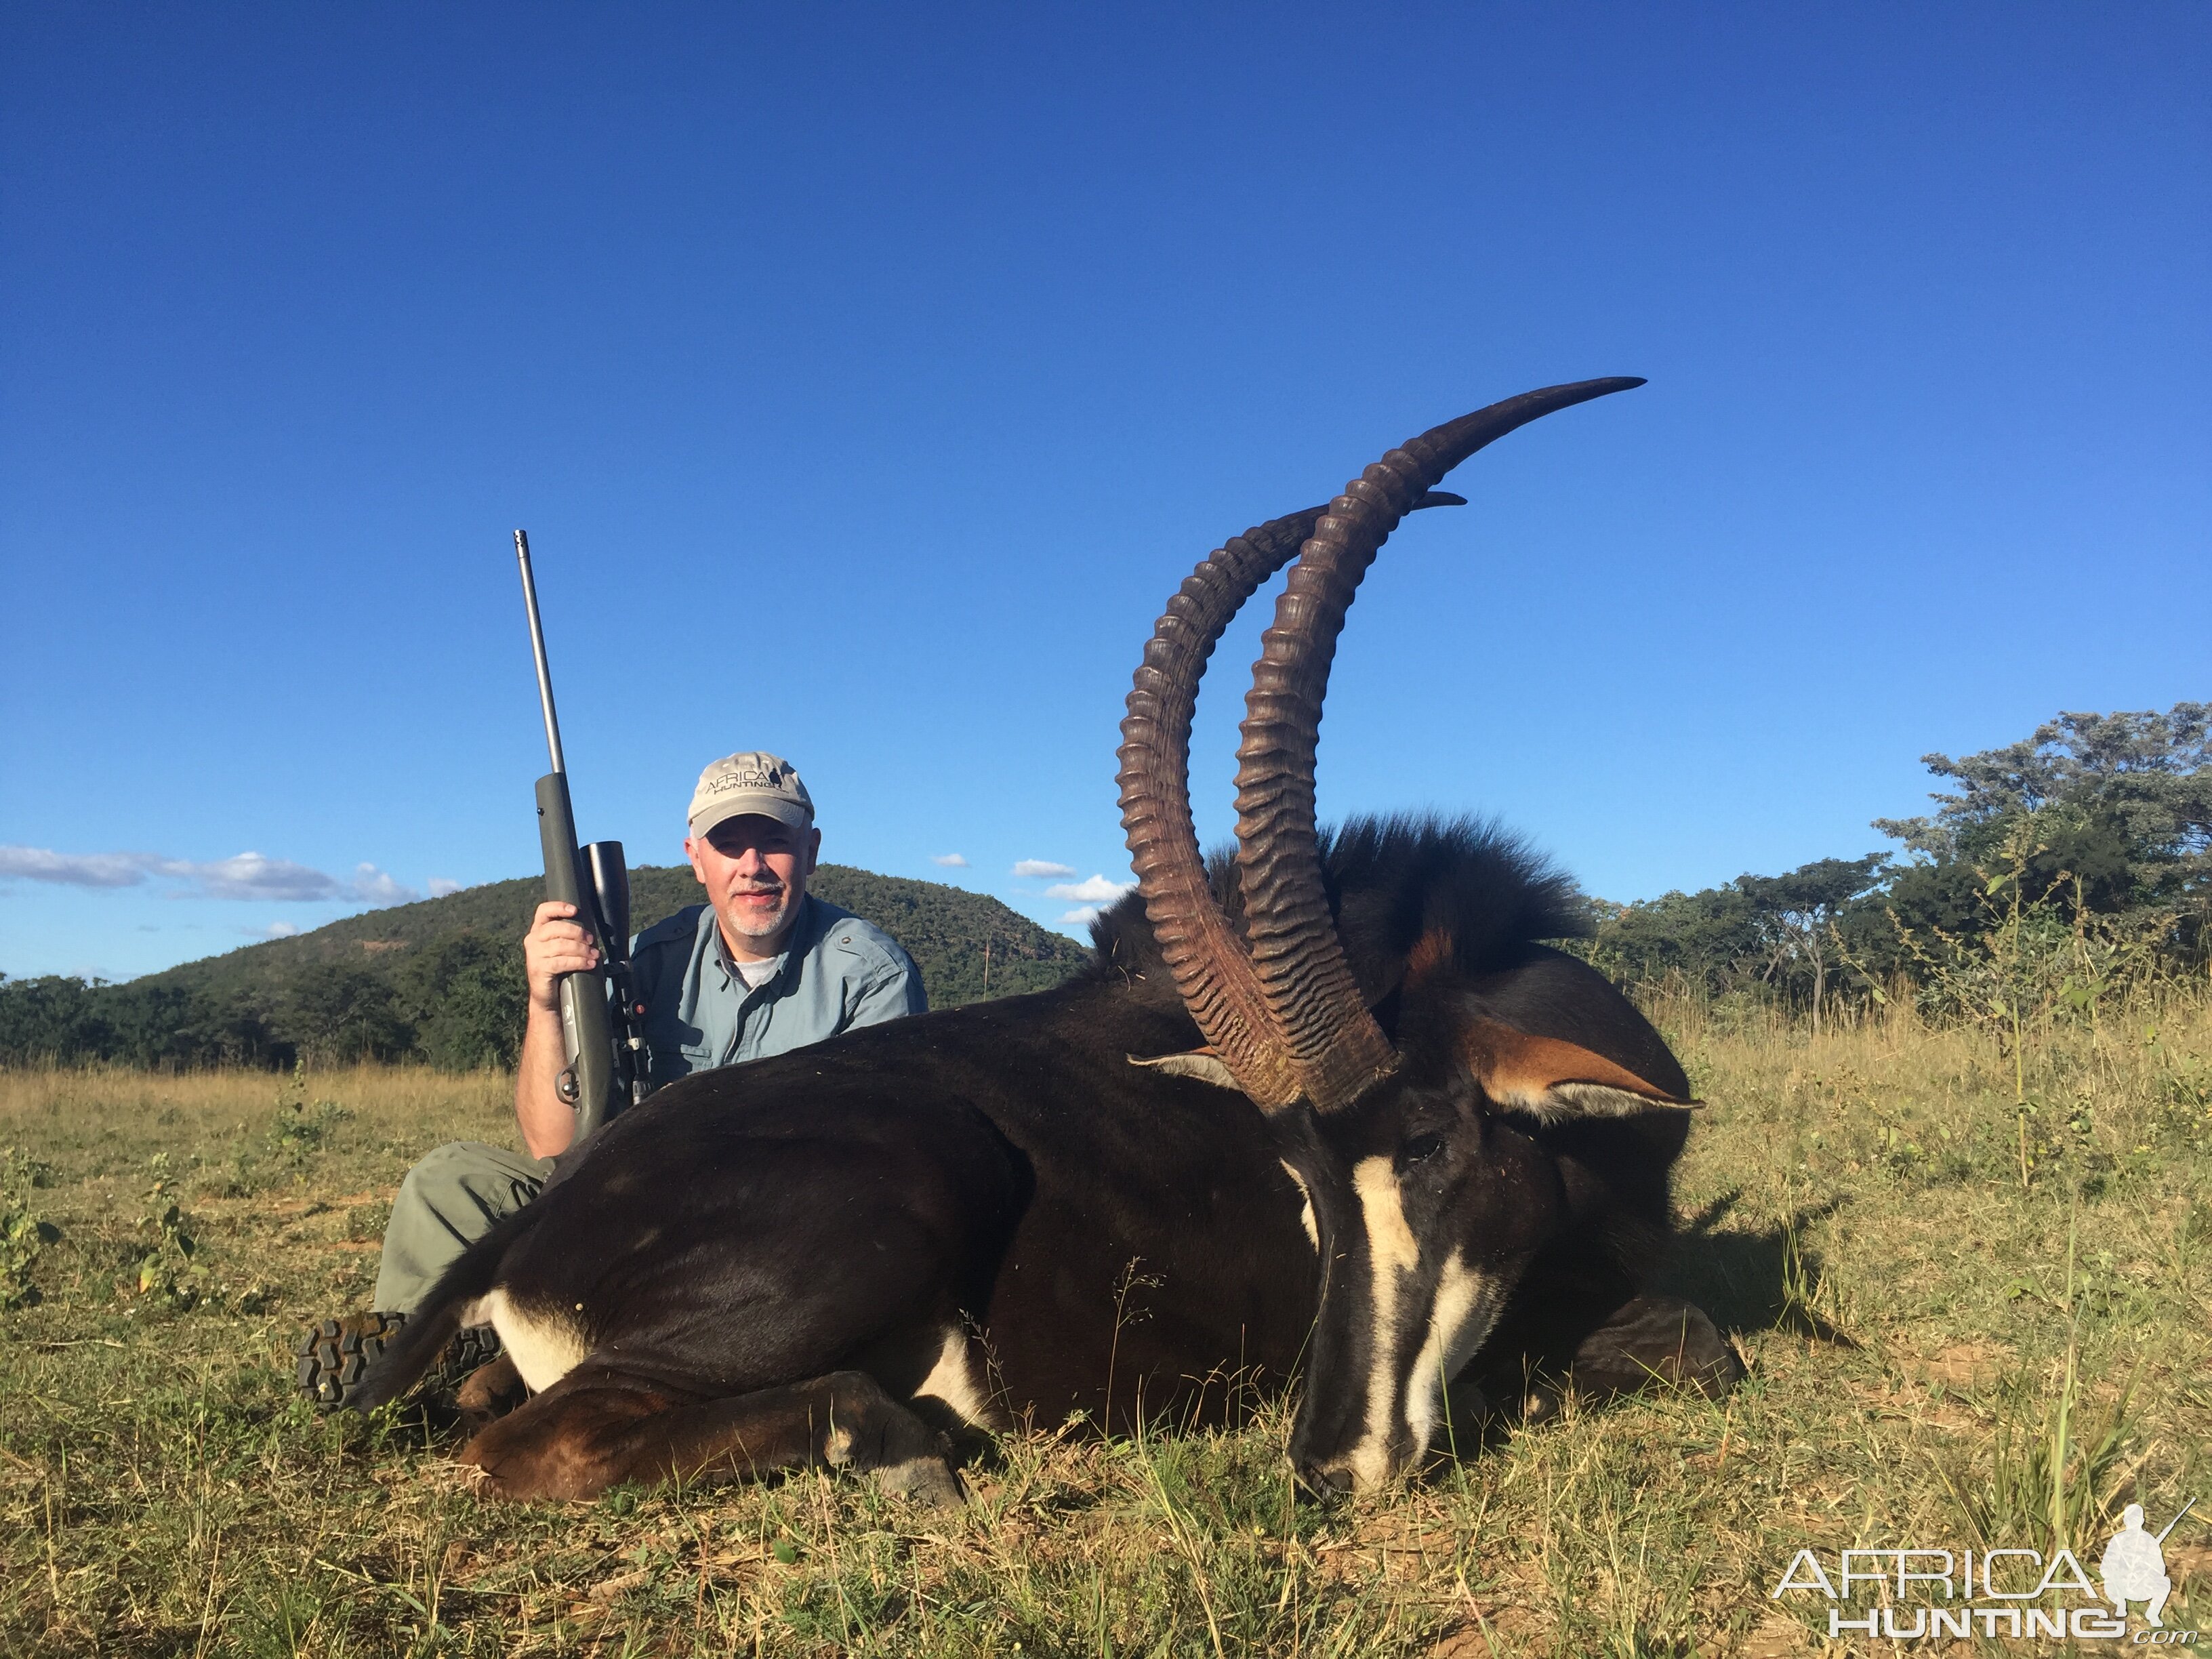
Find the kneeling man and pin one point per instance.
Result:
(761, 968)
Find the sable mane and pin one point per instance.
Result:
(1392, 880)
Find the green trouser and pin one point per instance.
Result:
(448, 1201)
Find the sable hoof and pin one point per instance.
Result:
(491, 1392)
(926, 1480)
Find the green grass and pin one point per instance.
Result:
(1929, 1362)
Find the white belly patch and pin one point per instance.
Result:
(545, 1343)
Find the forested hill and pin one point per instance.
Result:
(442, 980)
(944, 929)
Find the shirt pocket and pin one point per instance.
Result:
(676, 1049)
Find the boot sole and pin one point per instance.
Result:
(335, 1357)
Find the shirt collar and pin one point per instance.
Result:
(799, 942)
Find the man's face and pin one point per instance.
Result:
(755, 872)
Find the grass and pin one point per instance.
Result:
(1938, 1353)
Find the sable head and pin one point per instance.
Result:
(1414, 1091)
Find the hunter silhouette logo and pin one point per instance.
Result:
(2134, 1565)
(1930, 1595)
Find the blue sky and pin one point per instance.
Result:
(868, 376)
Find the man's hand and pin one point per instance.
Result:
(555, 945)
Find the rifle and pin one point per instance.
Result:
(594, 880)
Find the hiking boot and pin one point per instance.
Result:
(336, 1355)
(468, 1352)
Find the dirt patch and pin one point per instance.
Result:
(1775, 1637)
(2189, 1563)
(1962, 1365)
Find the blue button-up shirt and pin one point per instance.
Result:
(837, 973)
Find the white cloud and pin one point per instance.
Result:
(1082, 916)
(250, 875)
(1042, 867)
(242, 876)
(273, 930)
(948, 861)
(372, 886)
(1092, 889)
(444, 886)
(77, 869)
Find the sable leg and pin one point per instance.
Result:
(490, 1392)
(1656, 1338)
(597, 1428)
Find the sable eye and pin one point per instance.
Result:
(1421, 1148)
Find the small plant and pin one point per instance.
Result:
(297, 1130)
(1800, 1280)
(23, 1232)
(2056, 1470)
(168, 1275)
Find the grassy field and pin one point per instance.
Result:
(1855, 1217)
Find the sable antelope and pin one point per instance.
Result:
(1327, 1108)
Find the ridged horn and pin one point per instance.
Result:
(1286, 1016)
(1334, 1049)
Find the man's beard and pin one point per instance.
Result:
(749, 923)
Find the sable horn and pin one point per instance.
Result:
(1285, 1016)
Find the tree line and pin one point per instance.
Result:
(459, 1003)
(2079, 858)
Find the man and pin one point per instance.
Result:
(2134, 1568)
(761, 968)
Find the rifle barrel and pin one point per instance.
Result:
(537, 650)
(2176, 1522)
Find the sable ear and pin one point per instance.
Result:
(1554, 1080)
(1201, 1063)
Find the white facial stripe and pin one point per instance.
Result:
(1376, 1181)
(545, 1345)
(1305, 1215)
(1466, 1307)
(952, 1380)
(1391, 1252)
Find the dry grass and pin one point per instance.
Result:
(1856, 1219)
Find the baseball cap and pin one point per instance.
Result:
(750, 781)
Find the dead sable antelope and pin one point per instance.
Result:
(1326, 1108)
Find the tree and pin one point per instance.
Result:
(467, 997)
(343, 1011)
(154, 1025)
(1708, 939)
(2122, 808)
(2133, 794)
(52, 1018)
(1797, 912)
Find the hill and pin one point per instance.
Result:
(441, 979)
(944, 929)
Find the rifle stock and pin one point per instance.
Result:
(586, 1032)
